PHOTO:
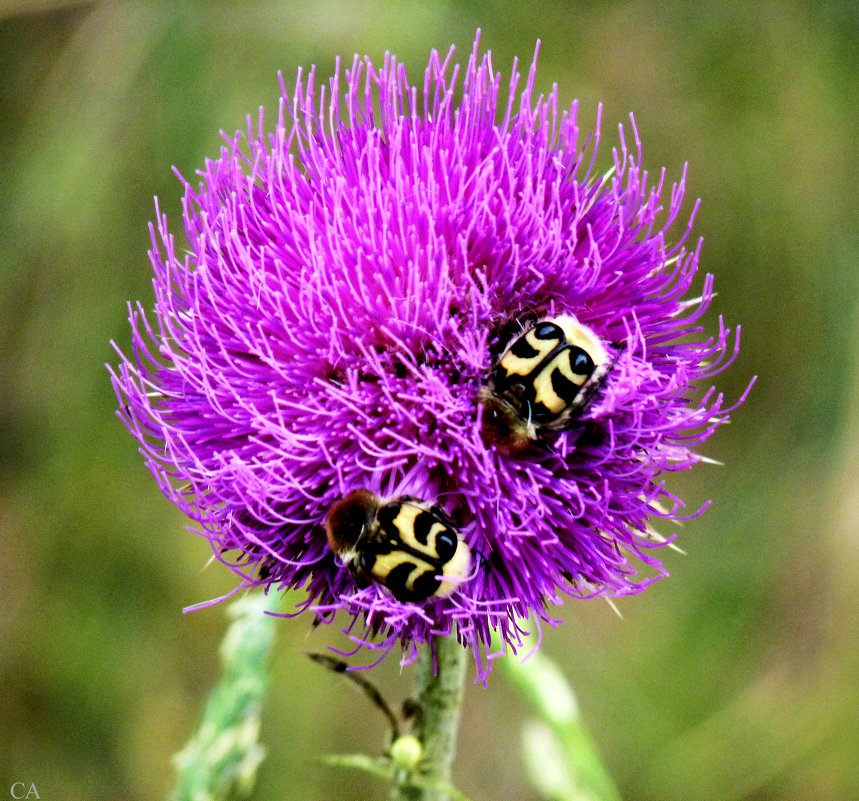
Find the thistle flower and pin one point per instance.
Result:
(349, 283)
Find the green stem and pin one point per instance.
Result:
(439, 689)
(561, 755)
(220, 761)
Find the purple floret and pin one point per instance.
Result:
(346, 282)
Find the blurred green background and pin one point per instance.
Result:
(737, 678)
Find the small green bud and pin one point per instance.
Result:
(406, 752)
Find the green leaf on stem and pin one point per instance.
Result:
(384, 768)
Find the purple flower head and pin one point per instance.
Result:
(336, 324)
